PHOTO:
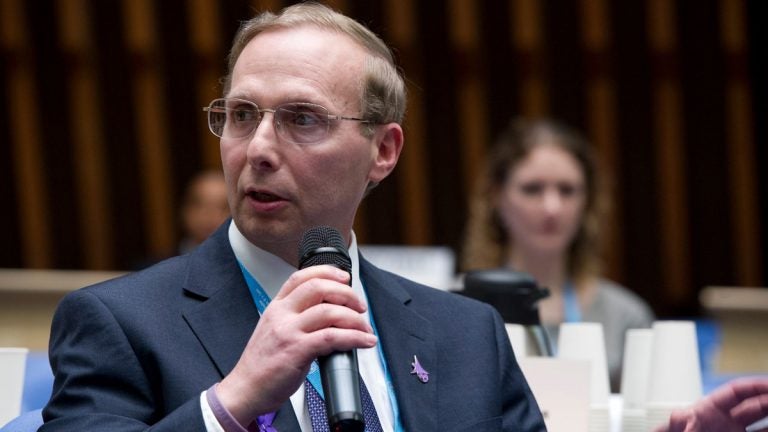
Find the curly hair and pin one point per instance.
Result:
(487, 243)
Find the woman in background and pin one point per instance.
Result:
(538, 210)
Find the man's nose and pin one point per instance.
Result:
(263, 142)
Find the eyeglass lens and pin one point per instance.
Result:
(298, 122)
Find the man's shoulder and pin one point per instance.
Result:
(143, 286)
(430, 297)
(160, 272)
(204, 262)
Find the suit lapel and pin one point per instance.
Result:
(225, 318)
(403, 334)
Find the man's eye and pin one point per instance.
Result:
(244, 115)
(306, 119)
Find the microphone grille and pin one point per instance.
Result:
(323, 245)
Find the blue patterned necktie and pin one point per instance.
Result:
(320, 418)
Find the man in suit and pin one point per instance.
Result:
(224, 338)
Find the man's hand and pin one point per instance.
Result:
(315, 313)
(731, 408)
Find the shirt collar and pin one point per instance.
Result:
(272, 271)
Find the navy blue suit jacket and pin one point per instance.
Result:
(134, 353)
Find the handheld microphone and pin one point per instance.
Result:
(338, 370)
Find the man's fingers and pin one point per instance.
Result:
(331, 339)
(751, 410)
(734, 392)
(316, 285)
(297, 278)
(677, 421)
(325, 315)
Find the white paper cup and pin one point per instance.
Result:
(12, 366)
(599, 418)
(675, 374)
(633, 420)
(584, 341)
(635, 370)
(658, 414)
(517, 337)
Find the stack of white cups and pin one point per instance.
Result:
(521, 343)
(638, 344)
(584, 341)
(675, 375)
(526, 340)
(12, 366)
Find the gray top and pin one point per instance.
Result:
(618, 309)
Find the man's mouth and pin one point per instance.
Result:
(263, 196)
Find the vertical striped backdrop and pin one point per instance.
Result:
(101, 126)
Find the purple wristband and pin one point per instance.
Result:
(225, 418)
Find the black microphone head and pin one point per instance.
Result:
(323, 245)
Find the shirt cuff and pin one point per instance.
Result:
(222, 419)
(211, 424)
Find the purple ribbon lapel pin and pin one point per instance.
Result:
(419, 371)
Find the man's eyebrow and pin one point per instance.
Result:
(240, 96)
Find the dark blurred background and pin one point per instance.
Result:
(101, 124)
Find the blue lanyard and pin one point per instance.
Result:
(261, 299)
(398, 427)
(571, 310)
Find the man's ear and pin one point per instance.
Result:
(389, 141)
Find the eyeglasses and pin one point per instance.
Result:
(297, 122)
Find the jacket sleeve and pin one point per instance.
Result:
(100, 384)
